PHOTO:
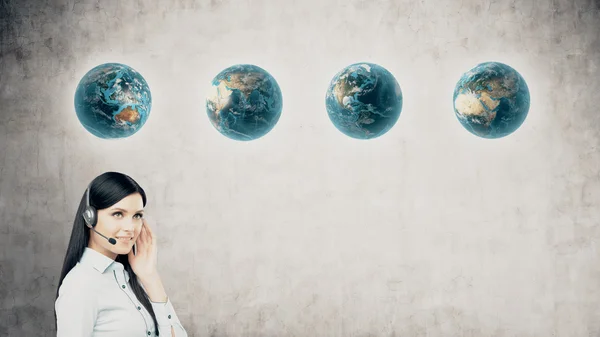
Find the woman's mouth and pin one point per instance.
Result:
(124, 240)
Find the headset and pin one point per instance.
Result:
(90, 216)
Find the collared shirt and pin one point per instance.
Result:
(95, 300)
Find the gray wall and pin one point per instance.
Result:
(425, 231)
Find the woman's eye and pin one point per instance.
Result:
(120, 215)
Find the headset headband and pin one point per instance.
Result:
(87, 198)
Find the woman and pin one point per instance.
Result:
(109, 285)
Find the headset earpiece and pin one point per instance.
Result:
(89, 214)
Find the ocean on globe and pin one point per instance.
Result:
(112, 100)
(244, 103)
(364, 101)
(491, 100)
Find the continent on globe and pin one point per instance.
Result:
(491, 100)
(245, 102)
(364, 101)
(128, 114)
(112, 100)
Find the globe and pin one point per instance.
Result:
(364, 101)
(491, 100)
(244, 102)
(112, 100)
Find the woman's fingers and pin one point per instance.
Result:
(150, 233)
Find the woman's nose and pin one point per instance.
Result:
(129, 225)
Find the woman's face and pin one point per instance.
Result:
(122, 221)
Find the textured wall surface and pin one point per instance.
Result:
(425, 231)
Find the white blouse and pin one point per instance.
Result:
(95, 300)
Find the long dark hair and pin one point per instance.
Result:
(105, 190)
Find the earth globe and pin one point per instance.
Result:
(491, 100)
(363, 101)
(112, 100)
(244, 102)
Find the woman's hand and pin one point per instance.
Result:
(144, 262)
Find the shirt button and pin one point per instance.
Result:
(149, 333)
(139, 308)
(123, 286)
(169, 316)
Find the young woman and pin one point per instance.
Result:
(109, 285)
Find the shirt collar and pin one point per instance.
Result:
(99, 261)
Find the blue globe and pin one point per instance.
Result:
(491, 100)
(112, 101)
(364, 101)
(245, 102)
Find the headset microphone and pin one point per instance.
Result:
(111, 240)
(90, 216)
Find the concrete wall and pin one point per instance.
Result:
(425, 231)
